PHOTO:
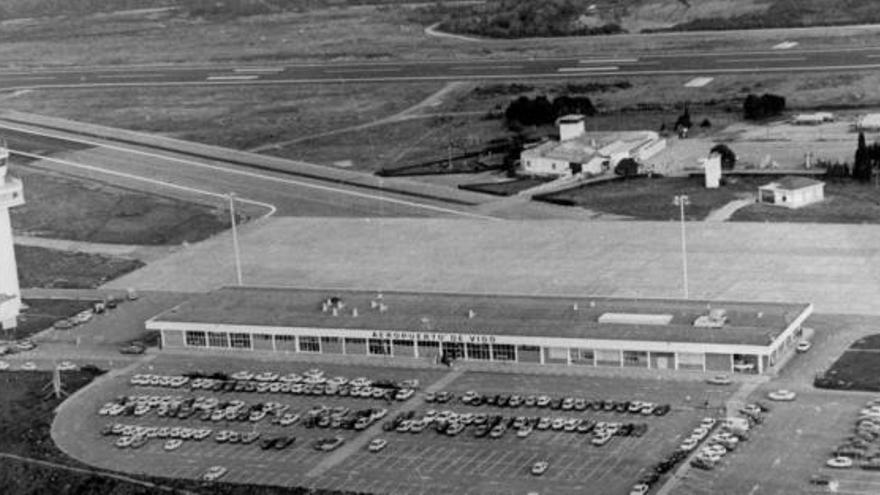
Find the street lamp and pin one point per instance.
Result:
(231, 197)
(681, 201)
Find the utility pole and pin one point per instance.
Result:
(235, 248)
(681, 201)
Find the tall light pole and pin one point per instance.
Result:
(681, 201)
(231, 197)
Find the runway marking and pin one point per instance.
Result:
(342, 71)
(232, 78)
(493, 67)
(271, 70)
(768, 59)
(587, 69)
(128, 76)
(28, 78)
(785, 45)
(608, 61)
(698, 82)
(246, 173)
(272, 209)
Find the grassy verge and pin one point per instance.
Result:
(40, 314)
(235, 117)
(506, 188)
(46, 268)
(63, 207)
(854, 370)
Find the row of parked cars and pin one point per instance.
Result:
(863, 445)
(451, 423)
(136, 436)
(343, 417)
(268, 382)
(644, 408)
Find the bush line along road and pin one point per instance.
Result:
(682, 63)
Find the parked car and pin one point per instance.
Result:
(133, 348)
(64, 324)
(719, 380)
(214, 473)
(803, 346)
(782, 395)
(377, 444)
(540, 468)
(639, 489)
(25, 345)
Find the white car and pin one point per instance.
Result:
(782, 395)
(82, 316)
(214, 473)
(719, 380)
(29, 366)
(689, 444)
(4, 365)
(540, 467)
(173, 444)
(65, 366)
(404, 394)
(803, 346)
(640, 489)
(377, 444)
(840, 462)
(25, 345)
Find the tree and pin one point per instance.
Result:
(684, 120)
(728, 157)
(757, 108)
(862, 163)
(627, 168)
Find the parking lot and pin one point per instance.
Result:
(426, 462)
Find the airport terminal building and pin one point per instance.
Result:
(688, 335)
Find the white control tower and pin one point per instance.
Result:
(11, 194)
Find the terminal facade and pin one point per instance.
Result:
(686, 335)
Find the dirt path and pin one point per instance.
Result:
(432, 31)
(725, 212)
(410, 113)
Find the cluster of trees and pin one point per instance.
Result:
(867, 160)
(520, 19)
(761, 107)
(540, 110)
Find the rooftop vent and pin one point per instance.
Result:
(374, 304)
(574, 306)
(335, 311)
(471, 314)
(383, 307)
(715, 319)
(354, 312)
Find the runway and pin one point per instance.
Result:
(682, 63)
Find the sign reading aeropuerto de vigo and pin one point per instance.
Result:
(438, 337)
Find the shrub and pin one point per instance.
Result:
(627, 168)
(765, 106)
(728, 157)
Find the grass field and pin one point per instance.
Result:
(40, 314)
(236, 117)
(41, 267)
(63, 207)
(319, 32)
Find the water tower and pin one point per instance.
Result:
(11, 194)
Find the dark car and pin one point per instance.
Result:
(820, 479)
(622, 406)
(282, 443)
(482, 430)
(133, 348)
(268, 443)
(556, 404)
(640, 429)
(662, 410)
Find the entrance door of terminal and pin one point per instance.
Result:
(453, 350)
(662, 362)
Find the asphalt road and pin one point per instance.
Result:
(689, 63)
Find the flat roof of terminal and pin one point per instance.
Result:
(531, 316)
(748, 323)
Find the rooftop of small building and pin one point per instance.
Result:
(748, 323)
(791, 183)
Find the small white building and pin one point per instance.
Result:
(792, 192)
(813, 118)
(578, 153)
(869, 122)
